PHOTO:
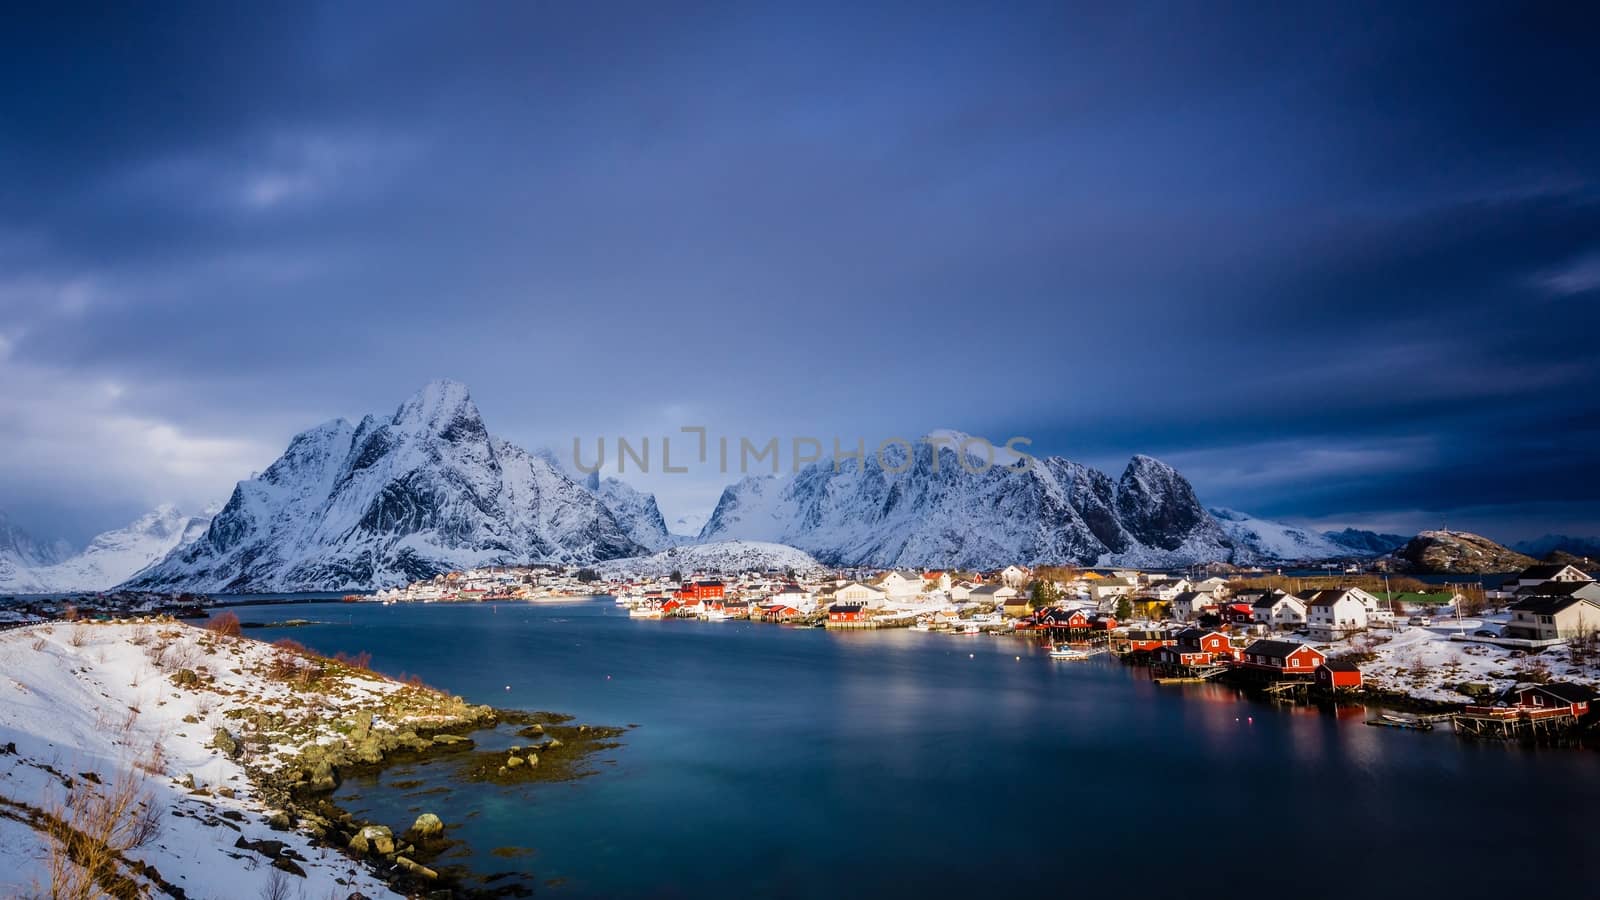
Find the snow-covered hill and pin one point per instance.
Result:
(392, 500)
(112, 557)
(729, 557)
(939, 512)
(1277, 540)
(634, 510)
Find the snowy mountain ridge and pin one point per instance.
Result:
(111, 557)
(925, 506)
(391, 500)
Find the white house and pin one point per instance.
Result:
(1279, 611)
(1216, 587)
(899, 585)
(992, 593)
(857, 594)
(796, 596)
(1335, 613)
(1014, 576)
(1186, 606)
(1110, 588)
(1168, 589)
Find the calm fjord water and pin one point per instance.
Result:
(771, 761)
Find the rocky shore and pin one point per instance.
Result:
(237, 748)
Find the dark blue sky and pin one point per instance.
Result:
(1338, 263)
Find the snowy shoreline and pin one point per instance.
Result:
(215, 755)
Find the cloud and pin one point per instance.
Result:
(1580, 276)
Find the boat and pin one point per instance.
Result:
(968, 628)
(1069, 653)
(1402, 720)
(921, 626)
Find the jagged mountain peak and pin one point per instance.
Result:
(425, 490)
(1055, 511)
(440, 407)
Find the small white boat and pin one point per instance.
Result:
(1069, 653)
(921, 626)
(968, 628)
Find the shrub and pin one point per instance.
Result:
(225, 624)
(362, 660)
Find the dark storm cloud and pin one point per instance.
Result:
(1337, 261)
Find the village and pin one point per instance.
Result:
(1519, 659)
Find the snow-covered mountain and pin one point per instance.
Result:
(111, 558)
(390, 500)
(939, 512)
(728, 557)
(634, 510)
(21, 554)
(1277, 540)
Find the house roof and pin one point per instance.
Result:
(1572, 693)
(1543, 571)
(1325, 597)
(1275, 649)
(1555, 589)
(1341, 665)
(1192, 597)
(1548, 606)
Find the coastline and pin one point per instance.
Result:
(233, 748)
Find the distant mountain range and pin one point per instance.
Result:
(926, 507)
(110, 558)
(428, 489)
(1560, 543)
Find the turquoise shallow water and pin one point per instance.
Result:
(771, 761)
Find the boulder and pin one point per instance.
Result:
(279, 821)
(362, 726)
(426, 828)
(533, 760)
(514, 762)
(373, 839)
(186, 678)
(222, 741)
(450, 740)
(322, 777)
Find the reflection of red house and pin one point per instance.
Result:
(1339, 675)
(847, 614)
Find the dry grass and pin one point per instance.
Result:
(224, 625)
(90, 833)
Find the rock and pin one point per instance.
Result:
(288, 865)
(426, 827)
(533, 760)
(552, 744)
(374, 839)
(362, 727)
(416, 869)
(187, 781)
(186, 678)
(514, 762)
(228, 792)
(323, 777)
(583, 729)
(223, 741)
(279, 821)
(450, 740)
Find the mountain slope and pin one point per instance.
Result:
(635, 510)
(111, 557)
(389, 500)
(946, 510)
(726, 557)
(1277, 540)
